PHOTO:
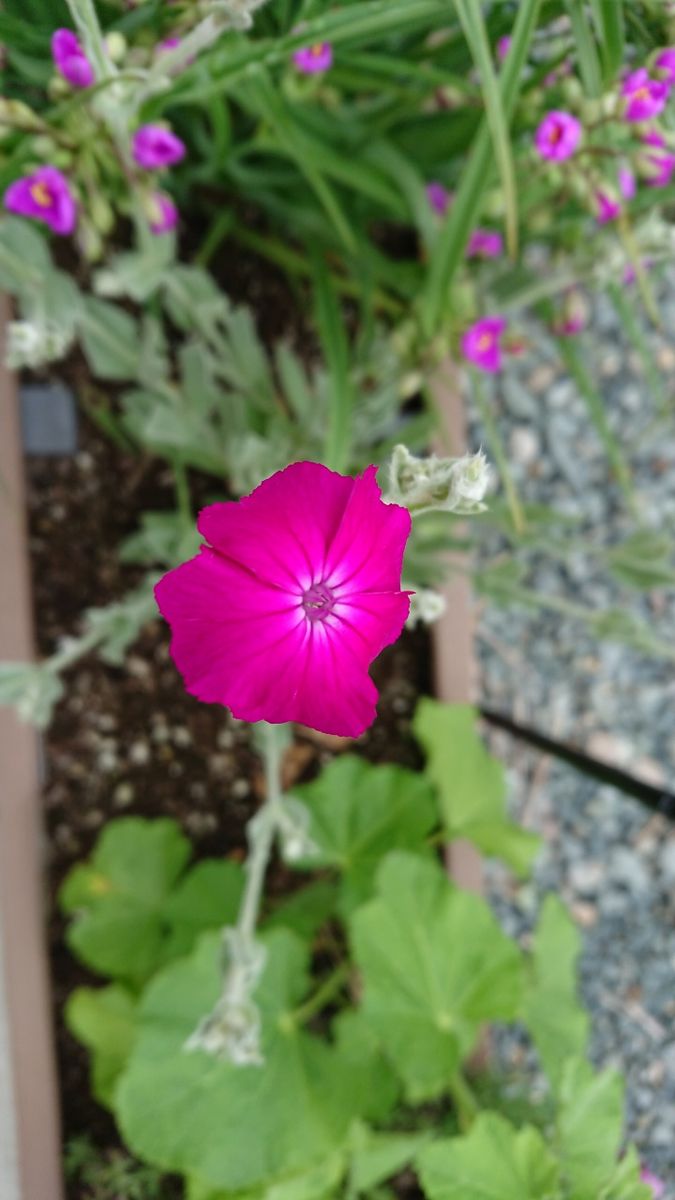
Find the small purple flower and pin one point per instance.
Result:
(653, 137)
(607, 207)
(557, 136)
(657, 1185)
(45, 196)
(658, 169)
(70, 59)
(439, 197)
(167, 45)
(503, 47)
(627, 184)
(155, 146)
(643, 97)
(665, 62)
(162, 213)
(481, 343)
(485, 243)
(314, 60)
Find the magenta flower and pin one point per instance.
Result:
(503, 47)
(155, 146)
(643, 97)
(439, 197)
(607, 207)
(653, 137)
(313, 60)
(70, 59)
(162, 213)
(281, 615)
(167, 45)
(485, 243)
(627, 184)
(657, 1185)
(45, 196)
(665, 62)
(481, 343)
(557, 136)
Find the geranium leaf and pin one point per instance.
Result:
(103, 1019)
(553, 1015)
(435, 964)
(492, 1162)
(359, 813)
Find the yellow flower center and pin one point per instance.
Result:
(41, 194)
(317, 49)
(555, 135)
(642, 93)
(485, 341)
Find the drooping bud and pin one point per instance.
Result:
(426, 606)
(232, 1030)
(32, 344)
(433, 484)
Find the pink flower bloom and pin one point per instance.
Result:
(485, 243)
(313, 60)
(646, 1176)
(665, 62)
(607, 207)
(481, 343)
(557, 136)
(653, 137)
(162, 213)
(281, 615)
(70, 59)
(155, 146)
(644, 97)
(503, 47)
(44, 195)
(439, 197)
(627, 184)
(167, 45)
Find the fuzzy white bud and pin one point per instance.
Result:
(426, 606)
(32, 344)
(433, 484)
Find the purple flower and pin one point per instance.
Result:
(627, 184)
(313, 60)
(643, 97)
(607, 207)
(646, 1176)
(162, 213)
(485, 243)
(44, 195)
(658, 169)
(70, 59)
(557, 136)
(439, 197)
(481, 343)
(653, 137)
(167, 45)
(665, 62)
(503, 47)
(155, 146)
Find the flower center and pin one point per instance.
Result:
(555, 134)
(41, 194)
(317, 49)
(642, 93)
(485, 341)
(318, 602)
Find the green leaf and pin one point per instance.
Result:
(32, 689)
(590, 1127)
(306, 910)
(118, 899)
(110, 339)
(492, 1162)
(644, 560)
(476, 177)
(473, 25)
(335, 347)
(585, 45)
(609, 19)
(378, 1156)
(233, 1127)
(25, 261)
(372, 1076)
(555, 1019)
(162, 540)
(435, 965)
(103, 1019)
(359, 813)
(207, 898)
(470, 783)
(317, 1183)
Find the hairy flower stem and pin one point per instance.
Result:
(261, 833)
(464, 1100)
(87, 24)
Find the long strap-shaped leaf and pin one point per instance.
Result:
(609, 20)
(449, 250)
(473, 25)
(586, 48)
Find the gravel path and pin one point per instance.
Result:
(611, 861)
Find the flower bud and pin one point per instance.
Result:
(116, 46)
(431, 484)
(426, 606)
(32, 344)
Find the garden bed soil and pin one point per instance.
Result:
(131, 740)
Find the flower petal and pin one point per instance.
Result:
(366, 553)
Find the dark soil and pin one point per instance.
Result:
(130, 740)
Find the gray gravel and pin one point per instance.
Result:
(608, 857)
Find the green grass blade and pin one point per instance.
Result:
(609, 22)
(625, 311)
(587, 50)
(335, 347)
(476, 178)
(471, 20)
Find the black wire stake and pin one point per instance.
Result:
(657, 799)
